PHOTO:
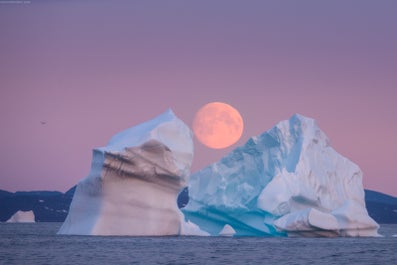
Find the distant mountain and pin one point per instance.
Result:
(381, 207)
(53, 206)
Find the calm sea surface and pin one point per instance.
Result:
(38, 244)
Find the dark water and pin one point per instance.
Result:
(38, 244)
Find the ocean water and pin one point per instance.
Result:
(38, 243)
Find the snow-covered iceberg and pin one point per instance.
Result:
(134, 182)
(286, 181)
(22, 217)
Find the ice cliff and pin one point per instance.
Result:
(134, 182)
(286, 181)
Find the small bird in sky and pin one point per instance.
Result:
(43, 122)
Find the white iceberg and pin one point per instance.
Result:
(286, 181)
(22, 217)
(134, 182)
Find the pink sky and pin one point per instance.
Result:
(92, 68)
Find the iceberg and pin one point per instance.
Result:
(22, 217)
(288, 181)
(134, 182)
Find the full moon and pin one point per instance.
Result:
(218, 125)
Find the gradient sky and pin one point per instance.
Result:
(92, 68)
